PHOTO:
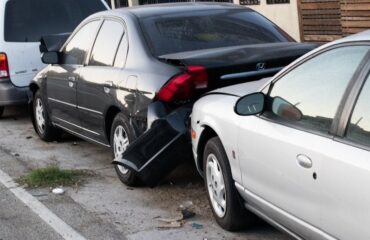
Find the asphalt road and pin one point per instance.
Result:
(102, 208)
(17, 221)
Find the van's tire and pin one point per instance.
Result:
(121, 135)
(1, 111)
(41, 120)
(217, 173)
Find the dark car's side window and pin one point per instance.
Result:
(77, 49)
(310, 94)
(358, 129)
(121, 56)
(106, 44)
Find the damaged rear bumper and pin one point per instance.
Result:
(160, 149)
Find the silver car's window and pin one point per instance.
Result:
(309, 95)
(76, 50)
(359, 127)
(106, 44)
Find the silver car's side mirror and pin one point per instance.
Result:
(251, 104)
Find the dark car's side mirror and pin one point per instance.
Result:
(50, 57)
(285, 109)
(251, 104)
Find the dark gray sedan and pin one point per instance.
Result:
(116, 63)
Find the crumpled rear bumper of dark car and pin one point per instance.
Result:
(161, 148)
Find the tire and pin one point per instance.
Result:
(121, 135)
(41, 121)
(1, 111)
(233, 216)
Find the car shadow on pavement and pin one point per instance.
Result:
(16, 112)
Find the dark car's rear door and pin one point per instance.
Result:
(95, 89)
(62, 79)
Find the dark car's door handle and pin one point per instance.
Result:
(108, 84)
(304, 161)
(71, 81)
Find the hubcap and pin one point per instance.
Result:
(216, 185)
(120, 144)
(40, 116)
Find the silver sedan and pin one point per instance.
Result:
(293, 149)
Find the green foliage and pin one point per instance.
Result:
(52, 176)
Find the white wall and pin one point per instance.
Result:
(284, 15)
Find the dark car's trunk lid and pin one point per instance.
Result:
(231, 65)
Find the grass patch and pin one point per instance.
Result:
(53, 176)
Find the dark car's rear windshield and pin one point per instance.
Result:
(198, 30)
(28, 20)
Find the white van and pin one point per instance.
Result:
(22, 23)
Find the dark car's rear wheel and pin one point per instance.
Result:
(226, 204)
(1, 111)
(41, 120)
(121, 136)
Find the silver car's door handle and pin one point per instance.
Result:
(72, 78)
(304, 161)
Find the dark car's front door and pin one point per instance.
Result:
(95, 89)
(62, 79)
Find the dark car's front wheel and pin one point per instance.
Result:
(226, 204)
(1, 111)
(121, 136)
(41, 120)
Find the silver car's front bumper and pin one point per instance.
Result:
(12, 95)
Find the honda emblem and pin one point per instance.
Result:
(261, 66)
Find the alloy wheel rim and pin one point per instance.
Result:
(40, 116)
(216, 186)
(120, 144)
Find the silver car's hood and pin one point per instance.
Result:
(243, 88)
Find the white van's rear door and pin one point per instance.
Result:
(24, 60)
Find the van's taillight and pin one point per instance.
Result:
(4, 67)
(183, 87)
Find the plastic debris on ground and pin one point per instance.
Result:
(58, 191)
(175, 222)
(196, 225)
(184, 212)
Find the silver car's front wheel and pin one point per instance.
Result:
(216, 185)
(120, 144)
(227, 206)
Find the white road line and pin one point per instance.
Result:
(66, 231)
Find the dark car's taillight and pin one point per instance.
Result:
(4, 67)
(183, 87)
